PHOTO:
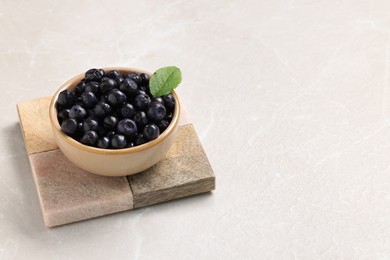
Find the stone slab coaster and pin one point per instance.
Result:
(68, 193)
(189, 173)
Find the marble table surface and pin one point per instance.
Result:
(291, 100)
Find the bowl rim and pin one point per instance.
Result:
(73, 82)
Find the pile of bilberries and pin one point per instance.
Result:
(113, 111)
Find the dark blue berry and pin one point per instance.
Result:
(94, 117)
(89, 138)
(140, 140)
(135, 77)
(66, 98)
(63, 114)
(110, 122)
(162, 125)
(77, 112)
(151, 132)
(80, 88)
(144, 79)
(169, 102)
(69, 126)
(113, 74)
(146, 90)
(156, 111)
(141, 101)
(94, 75)
(92, 87)
(140, 119)
(158, 99)
(127, 110)
(127, 127)
(89, 99)
(107, 84)
(90, 125)
(130, 145)
(141, 92)
(116, 98)
(103, 142)
(102, 109)
(118, 142)
(119, 80)
(129, 87)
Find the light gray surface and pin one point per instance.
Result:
(290, 99)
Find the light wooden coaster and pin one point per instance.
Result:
(68, 194)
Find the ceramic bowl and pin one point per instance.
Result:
(110, 162)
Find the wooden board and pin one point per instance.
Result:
(68, 194)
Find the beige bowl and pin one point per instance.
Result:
(113, 162)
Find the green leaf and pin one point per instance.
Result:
(164, 80)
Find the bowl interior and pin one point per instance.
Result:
(71, 84)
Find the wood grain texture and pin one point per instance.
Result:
(36, 128)
(184, 172)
